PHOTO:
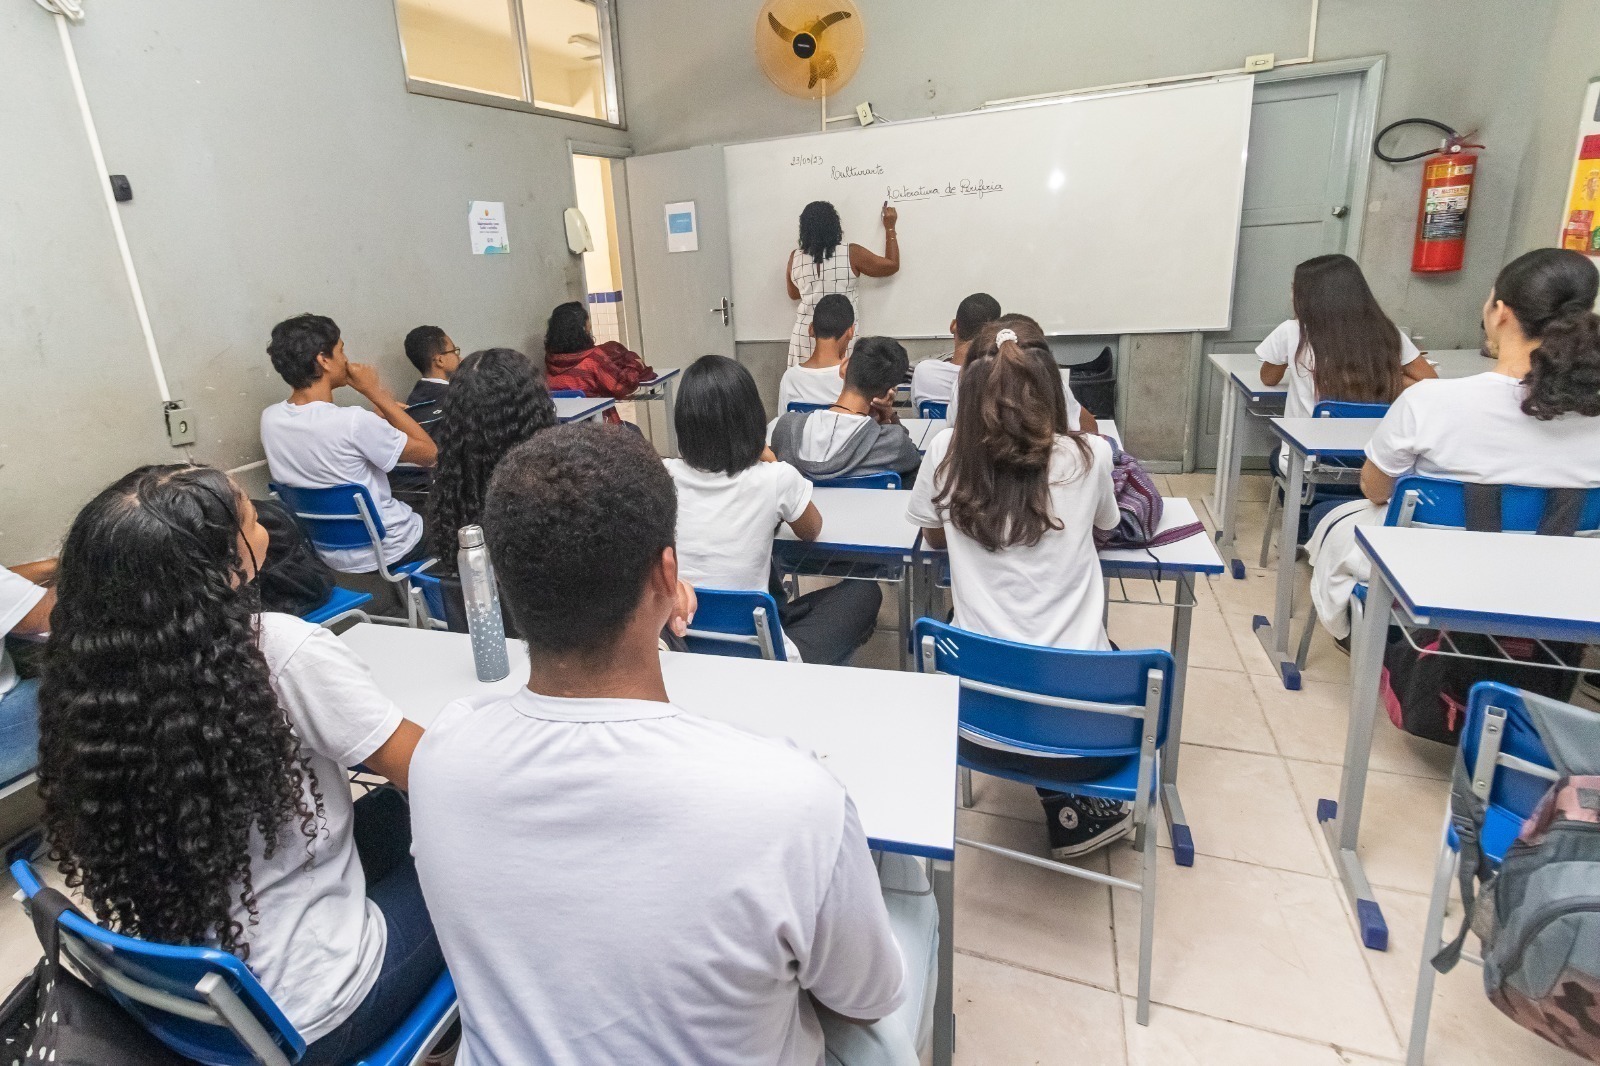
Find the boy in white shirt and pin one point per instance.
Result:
(311, 443)
(613, 879)
(820, 378)
(25, 604)
(934, 380)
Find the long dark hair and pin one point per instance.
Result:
(568, 330)
(722, 427)
(496, 401)
(1356, 346)
(162, 747)
(995, 480)
(1552, 292)
(820, 231)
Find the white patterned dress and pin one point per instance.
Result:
(816, 280)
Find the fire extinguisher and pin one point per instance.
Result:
(1447, 178)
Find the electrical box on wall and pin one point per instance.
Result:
(180, 423)
(1258, 63)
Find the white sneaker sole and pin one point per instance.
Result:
(1115, 833)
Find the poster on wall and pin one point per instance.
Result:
(1580, 226)
(486, 224)
(683, 235)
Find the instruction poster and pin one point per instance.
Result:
(1580, 229)
(683, 235)
(486, 223)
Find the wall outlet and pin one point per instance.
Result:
(1264, 61)
(180, 423)
(864, 113)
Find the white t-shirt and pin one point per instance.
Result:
(319, 445)
(1074, 408)
(1473, 429)
(319, 944)
(803, 384)
(726, 523)
(623, 882)
(1279, 348)
(18, 596)
(934, 379)
(1050, 594)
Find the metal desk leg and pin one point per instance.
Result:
(1219, 484)
(1172, 806)
(1230, 501)
(904, 593)
(1274, 635)
(669, 398)
(1341, 821)
(944, 1017)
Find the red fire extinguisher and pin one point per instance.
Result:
(1447, 178)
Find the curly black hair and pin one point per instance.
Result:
(162, 747)
(820, 231)
(496, 401)
(1552, 293)
(568, 330)
(296, 343)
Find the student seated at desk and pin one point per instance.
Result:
(859, 434)
(572, 359)
(1532, 420)
(1079, 418)
(311, 443)
(436, 357)
(615, 880)
(1015, 495)
(733, 493)
(193, 758)
(26, 599)
(820, 378)
(935, 379)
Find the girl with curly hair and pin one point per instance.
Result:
(192, 764)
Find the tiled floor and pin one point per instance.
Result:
(1257, 961)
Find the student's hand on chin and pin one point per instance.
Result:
(363, 377)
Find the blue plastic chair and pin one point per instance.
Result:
(1328, 481)
(1510, 769)
(932, 409)
(798, 406)
(206, 1005)
(341, 604)
(432, 589)
(1348, 409)
(566, 394)
(886, 480)
(344, 517)
(744, 625)
(1056, 703)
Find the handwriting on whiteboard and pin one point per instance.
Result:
(857, 172)
(965, 187)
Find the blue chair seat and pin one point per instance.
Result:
(427, 1021)
(340, 601)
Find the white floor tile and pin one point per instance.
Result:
(1311, 724)
(1179, 1038)
(1401, 820)
(1238, 807)
(1010, 1017)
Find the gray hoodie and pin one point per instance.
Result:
(828, 444)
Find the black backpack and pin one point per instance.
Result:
(292, 579)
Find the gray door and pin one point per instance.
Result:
(682, 295)
(1297, 186)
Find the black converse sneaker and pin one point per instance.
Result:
(1079, 825)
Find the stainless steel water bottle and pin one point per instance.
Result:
(482, 598)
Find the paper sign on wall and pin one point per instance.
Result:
(683, 233)
(486, 223)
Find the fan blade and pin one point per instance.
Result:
(779, 28)
(816, 28)
(812, 82)
(827, 66)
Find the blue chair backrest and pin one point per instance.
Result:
(332, 518)
(432, 594)
(1344, 409)
(886, 480)
(733, 614)
(1443, 504)
(1119, 678)
(122, 962)
(932, 409)
(566, 394)
(1515, 792)
(798, 406)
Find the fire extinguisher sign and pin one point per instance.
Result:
(1445, 212)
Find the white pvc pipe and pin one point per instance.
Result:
(103, 181)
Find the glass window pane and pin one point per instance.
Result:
(470, 44)
(566, 57)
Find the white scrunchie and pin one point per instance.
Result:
(1003, 336)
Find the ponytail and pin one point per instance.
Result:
(1552, 293)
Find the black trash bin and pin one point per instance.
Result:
(1095, 384)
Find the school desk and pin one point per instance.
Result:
(582, 408)
(663, 387)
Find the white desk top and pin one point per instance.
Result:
(573, 408)
(922, 430)
(1244, 368)
(1330, 437)
(1507, 584)
(861, 520)
(889, 737)
(661, 378)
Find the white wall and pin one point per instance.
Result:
(278, 166)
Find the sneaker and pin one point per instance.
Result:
(1078, 825)
(444, 1052)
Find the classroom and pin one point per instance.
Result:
(1127, 593)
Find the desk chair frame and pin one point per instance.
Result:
(766, 635)
(761, 640)
(932, 409)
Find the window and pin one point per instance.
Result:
(544, 55)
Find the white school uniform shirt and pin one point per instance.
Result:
(934, 379)
(1074, 408)
(318, 946)
(803, 384)
(1473, 429)
(319, 445)
(18, 596)
(1279, 349)
(1050, 594)
(620, 881)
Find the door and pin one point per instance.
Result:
(1301, 174)
(685, 308)
(594, 177)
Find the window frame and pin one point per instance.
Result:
(611, 75)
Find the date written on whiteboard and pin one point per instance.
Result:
(805, 161)
(964, 187)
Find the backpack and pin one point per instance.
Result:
(292, 579)
(1424, 687)
(1140, 503)
(1538, 916)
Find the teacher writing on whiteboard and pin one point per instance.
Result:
(824, 263)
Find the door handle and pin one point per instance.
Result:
(725, 309)
(1340, 211)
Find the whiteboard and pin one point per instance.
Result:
(1106, 214)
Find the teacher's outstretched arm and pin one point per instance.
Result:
(870, 263)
